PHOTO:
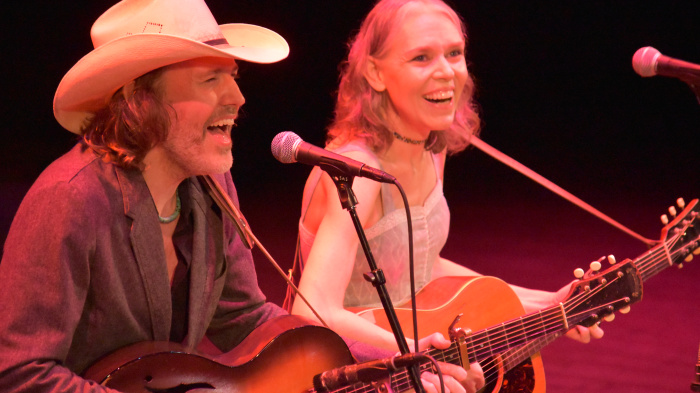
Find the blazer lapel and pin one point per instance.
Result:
(207, 258)
(147, 244)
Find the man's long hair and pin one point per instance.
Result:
(134, 121)
(360, 111)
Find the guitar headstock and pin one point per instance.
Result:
(681, 235)
(680, 241)
(597, 295)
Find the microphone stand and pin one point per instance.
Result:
(376, 276)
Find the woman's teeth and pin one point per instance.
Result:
(441, 96)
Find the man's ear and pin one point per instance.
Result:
(128, 89)
(374, 76)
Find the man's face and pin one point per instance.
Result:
(203, 99)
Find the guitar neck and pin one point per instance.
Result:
(535, 330)
(515, 356)
(401, 381)
(658, 258)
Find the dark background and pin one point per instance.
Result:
(558, 93)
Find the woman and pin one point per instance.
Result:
(404, 103)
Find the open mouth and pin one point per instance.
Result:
(440, 97)
(222, 126)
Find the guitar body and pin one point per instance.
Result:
(281, 355)
(483, 302)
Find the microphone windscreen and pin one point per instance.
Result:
(283, 147)
(644, 61)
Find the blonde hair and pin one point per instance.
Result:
(360, 111)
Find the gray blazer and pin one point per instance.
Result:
(84, 273)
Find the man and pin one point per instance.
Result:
(117, 242)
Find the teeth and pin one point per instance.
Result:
(441, 95)
(223, 123)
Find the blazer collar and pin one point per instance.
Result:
(146, 242)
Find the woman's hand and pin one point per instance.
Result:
(456, 378)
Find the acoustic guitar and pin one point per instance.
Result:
(283, 356)
(508, 351)
(285, 353)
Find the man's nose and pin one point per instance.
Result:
(232, 95)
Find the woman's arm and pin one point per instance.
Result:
(330, 262)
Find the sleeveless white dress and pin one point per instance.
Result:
(388, 242)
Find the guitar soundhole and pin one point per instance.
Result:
(148, 379)
(521, 379)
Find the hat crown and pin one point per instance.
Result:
(189, 19)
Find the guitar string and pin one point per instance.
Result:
(547, 325)
(400, 380)
(658, 256)
(656, 263)
(453, 353)
(492, 372)
(525, 326)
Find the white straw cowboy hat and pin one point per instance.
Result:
(135, 37)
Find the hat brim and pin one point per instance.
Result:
(88, 86)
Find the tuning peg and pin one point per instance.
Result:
(696, 251)
(688, 258)
(611, 259)
(625, 309)
(609, 317)
(681, 203)
(578, 273)
(595, 266)
(664, 219)
(672, 210)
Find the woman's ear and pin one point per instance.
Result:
(374, 76)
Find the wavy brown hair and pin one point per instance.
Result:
(360, 111)
(131, 124)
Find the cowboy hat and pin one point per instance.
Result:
(135, 37)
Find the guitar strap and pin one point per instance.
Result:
(294, 277)
(247, 237)
(481, 145)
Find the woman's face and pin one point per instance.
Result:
(423, 71)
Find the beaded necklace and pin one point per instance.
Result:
(176, 214)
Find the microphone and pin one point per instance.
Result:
(648, 61)
(288, 147)
(367, 372)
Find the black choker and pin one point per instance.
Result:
(409, 140)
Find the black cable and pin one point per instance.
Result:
(410, 263)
